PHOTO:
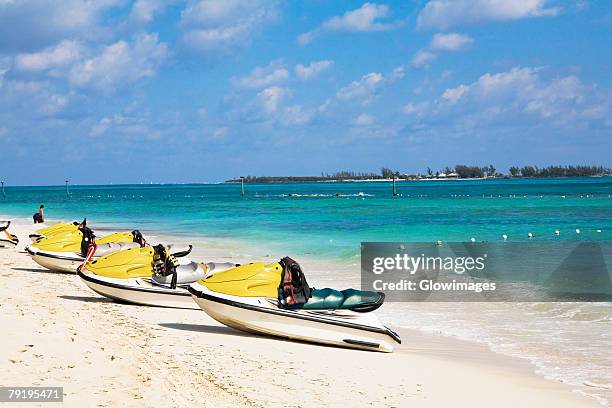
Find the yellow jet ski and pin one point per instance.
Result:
(274, 299)
(7, 240)
(65, 251)
(150, 276)
(58, 228)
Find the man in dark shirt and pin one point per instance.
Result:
(39, 217)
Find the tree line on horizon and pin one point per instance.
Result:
(460, 171)
(560, 171)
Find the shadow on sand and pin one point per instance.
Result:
(42, 270)
(92, 299)
(204, 328)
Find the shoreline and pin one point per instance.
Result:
(427, 369)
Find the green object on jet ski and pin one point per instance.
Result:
(343, 299)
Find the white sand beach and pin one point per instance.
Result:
(56, 332)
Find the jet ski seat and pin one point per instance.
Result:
(352, 299)
(215, 267)
(110, 247)
(187, 273)
(192, 272)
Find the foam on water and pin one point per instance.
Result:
(567, 342)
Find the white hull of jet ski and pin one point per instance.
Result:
(7, 243)
(56, 261)
(146, 290)
(343, 328)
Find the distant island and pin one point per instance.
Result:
(460, 171)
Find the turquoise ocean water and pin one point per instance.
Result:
(569, 342)
(331, 219)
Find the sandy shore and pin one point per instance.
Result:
(56, 332)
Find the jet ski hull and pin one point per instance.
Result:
(7, 243)
(67, 261)
(55, 261)
(7, 240)
(139, 291)
(144, 290)
(342, 328)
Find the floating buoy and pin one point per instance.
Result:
(598, 230)
(577, 230)
(505, 237)
(562, 196)
(557, 232)
(473, 239)
(530, 235)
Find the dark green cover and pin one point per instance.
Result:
(346, 299)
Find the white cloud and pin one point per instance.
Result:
(513, 83)
(145, 10)
(296, 115)
(120, 63)
(363, 88)
(31, 99)
(211, 25)
(416, 109)
(270, 98)
(367, 87)
(305, 72)
(443, 14)
(520, 96)
(43, 22)
(397, 74)
(220, 132)
(103, 125)
(364, 19)
(454, 94)
(422, 58)
(61, 55)
(275, 72)
(54, 104)
(269, 108)
(139, 125)
(364, 120)
(450, 42)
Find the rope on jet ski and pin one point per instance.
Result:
(88, 243)
(91, 250)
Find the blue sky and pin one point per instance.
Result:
(118, 91)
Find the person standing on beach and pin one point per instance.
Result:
(39, 217)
